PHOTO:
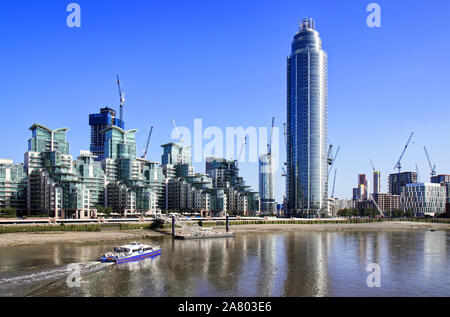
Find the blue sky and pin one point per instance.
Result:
(225, 62)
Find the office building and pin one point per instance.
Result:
(397, 181)
(99, 122)
(423, 198)
(307, 173)
(376, 182)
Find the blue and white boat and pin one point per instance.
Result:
(130, 252)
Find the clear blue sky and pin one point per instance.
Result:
(225, 62)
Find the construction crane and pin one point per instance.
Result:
(376, 206)
(283, 169)
(269, 145)
(432, 167)
(333, 160)
(180, 136)
(283, 174)
(144, 156)
(371, 163)
(329, 158)
(122, 99)
(334, 183)
(241, 151)
(398, 166)
(417, 172)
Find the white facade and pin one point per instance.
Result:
(422, 198)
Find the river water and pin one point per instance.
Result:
(314, 263)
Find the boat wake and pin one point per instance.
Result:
(24, 282)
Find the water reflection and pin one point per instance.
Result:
(413, 263)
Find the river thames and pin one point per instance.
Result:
(306, 263)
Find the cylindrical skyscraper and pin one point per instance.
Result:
(307, 94)
(266, 185)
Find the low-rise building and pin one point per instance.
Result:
(423, 198)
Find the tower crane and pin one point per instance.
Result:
(334, 183)
(417, 172)
(283, 173)
(398, 166)
(144, 156)
(122, 99)
(269, 145)
(329, 158)
(333, 160)
(432, 167)
(371, 163)
(240, 152)
(283, 170)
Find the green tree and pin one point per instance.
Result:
(396, 213)
(8, 213)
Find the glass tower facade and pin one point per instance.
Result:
(266, 185)
(307, 169)
(99, 122)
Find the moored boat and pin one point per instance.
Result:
(130, 252)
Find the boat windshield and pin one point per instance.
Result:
(119, 249)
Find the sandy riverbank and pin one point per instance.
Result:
(387, 225)
(16, 239)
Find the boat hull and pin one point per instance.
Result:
(130, 258)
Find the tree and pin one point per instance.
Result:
(8, 212)
(397, 213)
(105, 210)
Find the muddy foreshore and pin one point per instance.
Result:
(17, 239)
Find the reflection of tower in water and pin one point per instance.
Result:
(370, 247)
(434, 251)
(268, 271)
(307, 264)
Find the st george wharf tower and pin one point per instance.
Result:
(306, 130)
